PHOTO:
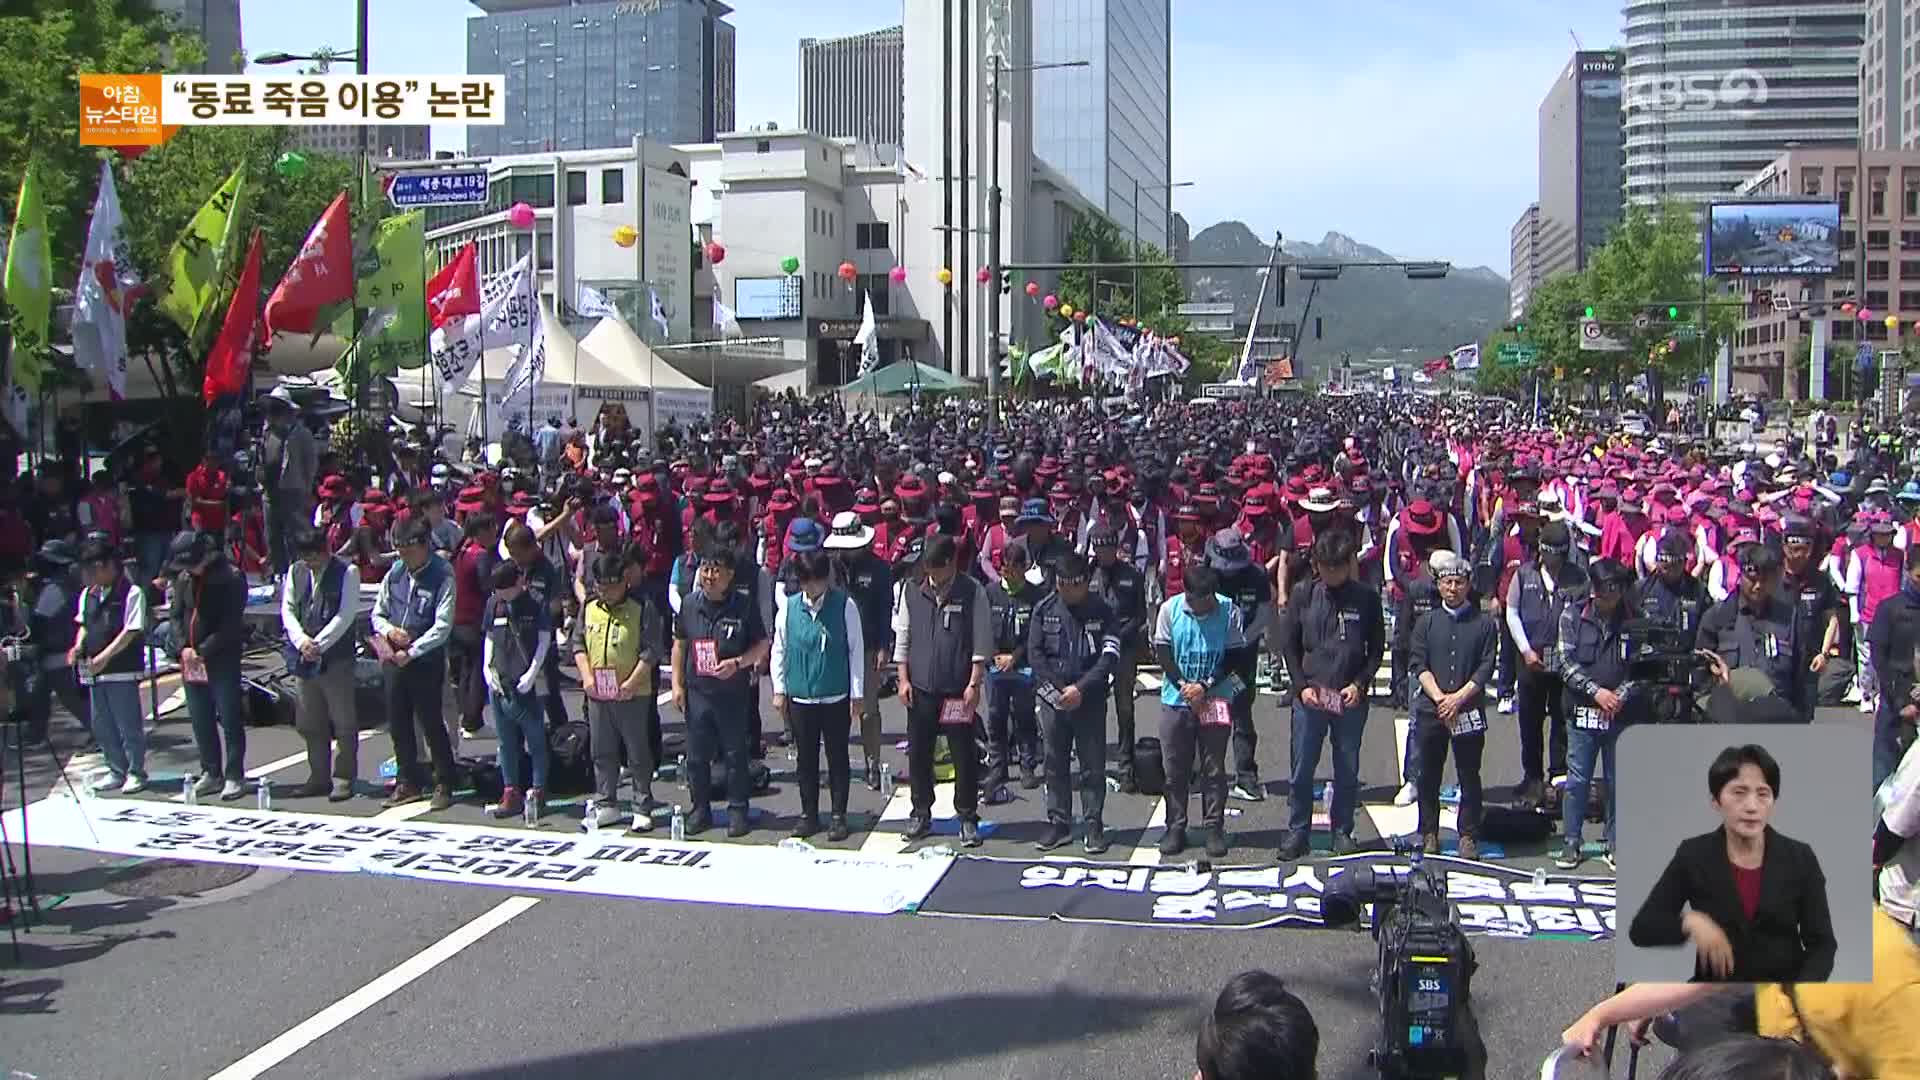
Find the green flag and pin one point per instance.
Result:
(198, 264)
(29, 283)
(392, 296)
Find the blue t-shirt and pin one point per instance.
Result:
(1199, 644)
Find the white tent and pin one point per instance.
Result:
(673, 395)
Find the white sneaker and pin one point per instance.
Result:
(135, 784)
(231, 790)
(1506, 705)
(1867, 705)
(1405, 796)
(608, 815)
(110, 783)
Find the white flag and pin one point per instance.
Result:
(591, 303)
(725, 321)
(506, 318)
(659, 313)
(868, 338)
(1466, 357)
(107, 282)
(522, 383)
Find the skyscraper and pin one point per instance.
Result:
(1714, 89)
(1580, 160)
(853, 87)
(582, 75)
(1889, 98)
(216, 22)
(1524, 273)
(1108, 126)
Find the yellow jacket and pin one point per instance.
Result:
(1865, 1029)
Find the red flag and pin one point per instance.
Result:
(229, 364)
(321, 275)
(454, 292)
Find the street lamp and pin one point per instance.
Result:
(993, 225)
(1136, 232)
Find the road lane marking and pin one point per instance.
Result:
(310, 1030)
(1144, 853)
(290, 761)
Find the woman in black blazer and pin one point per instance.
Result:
(1752, 902)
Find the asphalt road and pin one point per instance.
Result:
(168, 971)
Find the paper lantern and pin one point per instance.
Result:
(983, 275)
(1066, 311)
(1864, 314)
(789, 265)
(897, 275)
(944, 276)
(626, 236)
(520, 216)
(1050, 302)
(716, 253)
(1893, 322)
(291, 165)
(1847, 307)
(1033, 288)
(848, 272)
(1079, 316)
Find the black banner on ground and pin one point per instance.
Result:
(1493, 900)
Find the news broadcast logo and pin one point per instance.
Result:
(145, 110)
(1737, 89)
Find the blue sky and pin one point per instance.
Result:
(1410, 126)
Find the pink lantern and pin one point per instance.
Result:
(897, 275)
(716, 253)
(1080, 316)
(1863, 314)
(1033, 288)
(1050, 302)
(982, 275)
(848, 272)
(520, 216)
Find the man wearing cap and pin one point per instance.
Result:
(1893, 640)
(288, 459)
(1816, 601)
(209, 598)
(719, 637)
(1453, 648)
(412, 621)
(1036, 526)
(1072, 647)
(868, 581)
(1873, 575)
(319, 608)
(1535, 595)
(943, 635)
(612, 650)
(544, 584)
(1246, 584)
(1332, 637)
(997, 536)
(112, 621)
(1012, 725)
(1121, 584)
(1757, 627)
(1192, 635)
(1601, 698)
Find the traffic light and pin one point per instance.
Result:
(1589, 311)
(1006, 281)
(1515, 327)
(1673, 312)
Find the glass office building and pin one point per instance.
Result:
(1581, 163)
(1108, 126)
(581, 76)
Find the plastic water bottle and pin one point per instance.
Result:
(1539, 877)
(796, 845)
(187, 787)
(678, 829)
(886, 779)
(530, 811)
(263, 796)
(592, 822)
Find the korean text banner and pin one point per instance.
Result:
(332, 99)
(1491, 899)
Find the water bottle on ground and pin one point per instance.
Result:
(1539, 877)
(795, 844)
(187, 787)
(592, 822)
(886, 779)
(530, 812)
(263, 796)
(678, 829)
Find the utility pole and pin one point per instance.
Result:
(361, 385)
(993, 246)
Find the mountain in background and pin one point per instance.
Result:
(1366, 310)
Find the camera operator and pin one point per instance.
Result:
(1600, 699)
(1892, 641)
(1539, 591)
(53, 597)
(1817, 605)
(1757, 627)
(1671, 595)
(1453, 652)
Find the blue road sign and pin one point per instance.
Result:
(1863, 358)
(438, 188)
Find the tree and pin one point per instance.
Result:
(1552, 321)
(1649, 265)
(1108, 293)
(1503, 380)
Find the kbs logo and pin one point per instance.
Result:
(1736, 89)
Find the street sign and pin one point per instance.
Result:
(1863, 356)
(1518, 354)
(1782, 304)
(1642, 321)
(1595, 339)
(438, 188)
(1685, 333)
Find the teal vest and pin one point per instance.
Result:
(1198, 645)
(817, 661)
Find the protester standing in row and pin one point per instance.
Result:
(319, 610)
(942, 636)
(612, 651)
(109, 656)
(819, 671)
(412, 621)
(209, 599)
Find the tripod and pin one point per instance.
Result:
(19, 894)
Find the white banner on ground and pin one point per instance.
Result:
(607, 864)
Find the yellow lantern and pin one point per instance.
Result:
(1893, 322)
(626, 236)
(1066, 311)
(944, 276)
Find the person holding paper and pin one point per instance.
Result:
(1453, 649)
(518, 632)
(1600, 699)
(942, 634)
(1073, 645)
(613, 650)
(819, 674)
(1192, 635)
(209, 599)
(319, 607)
(112, 618)
(718, 639)
(412, 622)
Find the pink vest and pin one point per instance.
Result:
(106, 514)
(1879, 578)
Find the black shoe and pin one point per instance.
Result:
(1175, 841)
(699, 821)
(1128, 785)
(1530, 794)
(312, 789)
(1249, 792)
(1095, 842)
(969, 833)
(1216, 843)
(737, 824)
(873, 775)
(918, 826)
(808, 826)
(1057, 836)
(837, 828)
(1029, 777)
(1342, 843)
(1295, 847)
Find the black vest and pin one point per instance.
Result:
(105, 620)
(321, 603)
(725, 624)
(940, 637)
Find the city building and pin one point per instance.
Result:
(216, 23)
(1714, 89)
(1772, 347)
(402, 142)
(1889, 100)
(595, 74)
(1107, 127)
(1180, 239)
(1580, 163)
(853, 87)
(1524, 275)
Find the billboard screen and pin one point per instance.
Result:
(1786, 239)
(767, 297)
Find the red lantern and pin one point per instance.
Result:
(1079, 316)
(1847, 307)
(848, 272)
(716, 254)
(983, 275)
(1033, 288)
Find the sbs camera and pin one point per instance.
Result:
(1425, 969)
(1663, 656)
